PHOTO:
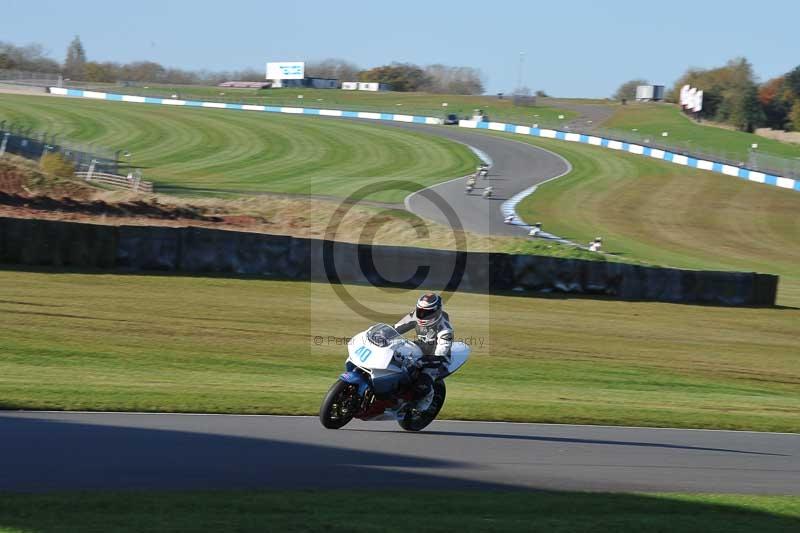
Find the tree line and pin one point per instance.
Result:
(732, 95)
(76, 66)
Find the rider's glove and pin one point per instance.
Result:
(412, 367)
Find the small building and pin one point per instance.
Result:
(349, 85)
(246, 84)
(372, 86)
(307, 83)
(649, 93)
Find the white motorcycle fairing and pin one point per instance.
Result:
(385, 357)
(380, 352)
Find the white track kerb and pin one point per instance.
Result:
(645, 151)
(509, 207)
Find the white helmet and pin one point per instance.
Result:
(429, 309)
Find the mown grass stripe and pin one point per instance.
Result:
(215, 149)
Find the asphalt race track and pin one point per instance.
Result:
(42, 451)
(516, 166)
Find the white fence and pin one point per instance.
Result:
(130, 182)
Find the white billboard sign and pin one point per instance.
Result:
(685, 94)
(691, 98)
(698, 102)
(286, 70)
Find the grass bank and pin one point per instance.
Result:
(178, 343)
(654, 119)
(671, 215)
(205, 151)
(411, 103)
(361, 510)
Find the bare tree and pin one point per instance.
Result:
(75, 63)
(627, 91)
(453, 80)
(31, 57)
(333, 68)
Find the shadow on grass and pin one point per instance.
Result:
(243, 277)
(390, 511)
(163, 477)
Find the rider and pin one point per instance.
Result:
(434, 337)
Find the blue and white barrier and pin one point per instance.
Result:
(646, 151)
(244, 107)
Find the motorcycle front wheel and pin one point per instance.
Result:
(418, 420)
(339, 405)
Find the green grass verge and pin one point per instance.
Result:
(395, 510)
(527, 246)
(415, 103)
(653, 119)
(178, 343)
(648, 120)
(200, 149)
(670, 215)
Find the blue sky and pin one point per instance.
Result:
(572, 48)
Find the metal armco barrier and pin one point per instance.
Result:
(201, 250)
(31, 145)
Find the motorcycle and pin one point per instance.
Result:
(376, 384)
(469, 189)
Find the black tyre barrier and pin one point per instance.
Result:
(202, 250)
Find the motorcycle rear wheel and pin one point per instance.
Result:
(416, 421)
(339, 405)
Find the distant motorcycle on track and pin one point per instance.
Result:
(470, 184)
(377, 386)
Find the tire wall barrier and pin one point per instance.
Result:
(202, 250)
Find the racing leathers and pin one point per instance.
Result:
(435, 341)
